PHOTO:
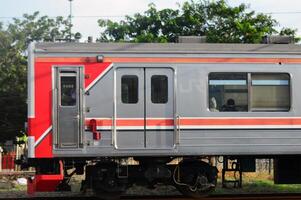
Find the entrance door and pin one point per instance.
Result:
(129, 119)
(144, 108)
(159, 104)
(68, 99)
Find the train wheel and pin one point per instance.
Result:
(103, 181)
(201, 188)
(195, 178)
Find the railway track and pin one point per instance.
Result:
(289, 196)
(224, 197)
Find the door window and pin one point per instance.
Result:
(159, 89)
(129, 89)
(68, 91)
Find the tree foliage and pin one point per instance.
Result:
(216, 20)
(14, 40)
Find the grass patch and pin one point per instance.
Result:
(257, 183)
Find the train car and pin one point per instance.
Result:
(94, 106)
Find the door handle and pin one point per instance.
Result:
(76, 117)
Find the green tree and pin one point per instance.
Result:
(214, 19)
(290, 32)
(14, 40)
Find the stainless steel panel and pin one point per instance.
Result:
(31, 81)
(99, 99)
(162, 136)
(192, 101)
(31, 147)
(126, 139)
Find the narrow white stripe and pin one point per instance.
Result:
(98, 77)
(131, 127)
(238, 126)
(285, 117)
(103, 127)
(159, 127)
(42, 136)
(153, 118)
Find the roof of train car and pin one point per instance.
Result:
(166, 48)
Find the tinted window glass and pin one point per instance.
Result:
(270, 92)
(228, 92)
(68, 90)
(159, 89)
(129, 89)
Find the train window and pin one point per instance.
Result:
(270, 92)
(129, 89)
(159, 89)
(68, 90)
(228, 92)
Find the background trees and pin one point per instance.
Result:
(214, 19)
(14, 40)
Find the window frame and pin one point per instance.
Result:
(249, 88)
(208, 91)
(121, 90)
(68, 74)
(272, 110)
(151, 91)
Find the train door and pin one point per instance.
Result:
(129, 118)
(159, 108)
(144, 108)
(68, 103)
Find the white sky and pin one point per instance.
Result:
(114, 9)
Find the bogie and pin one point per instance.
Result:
(191, 177)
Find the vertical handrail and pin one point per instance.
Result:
(113, 131)
(54, 118)
(81, 117)
(178, 130)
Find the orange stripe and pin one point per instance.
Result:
(200, 122)
(133, 122)
(159, 122)
(271, 121)
(170, 60)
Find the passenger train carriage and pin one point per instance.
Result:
(92, 106)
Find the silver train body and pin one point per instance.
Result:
(165, 100)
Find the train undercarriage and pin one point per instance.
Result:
(192, 176)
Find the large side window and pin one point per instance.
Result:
(228, 92)
(270, 92)
(129, 89)
(159, 89)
